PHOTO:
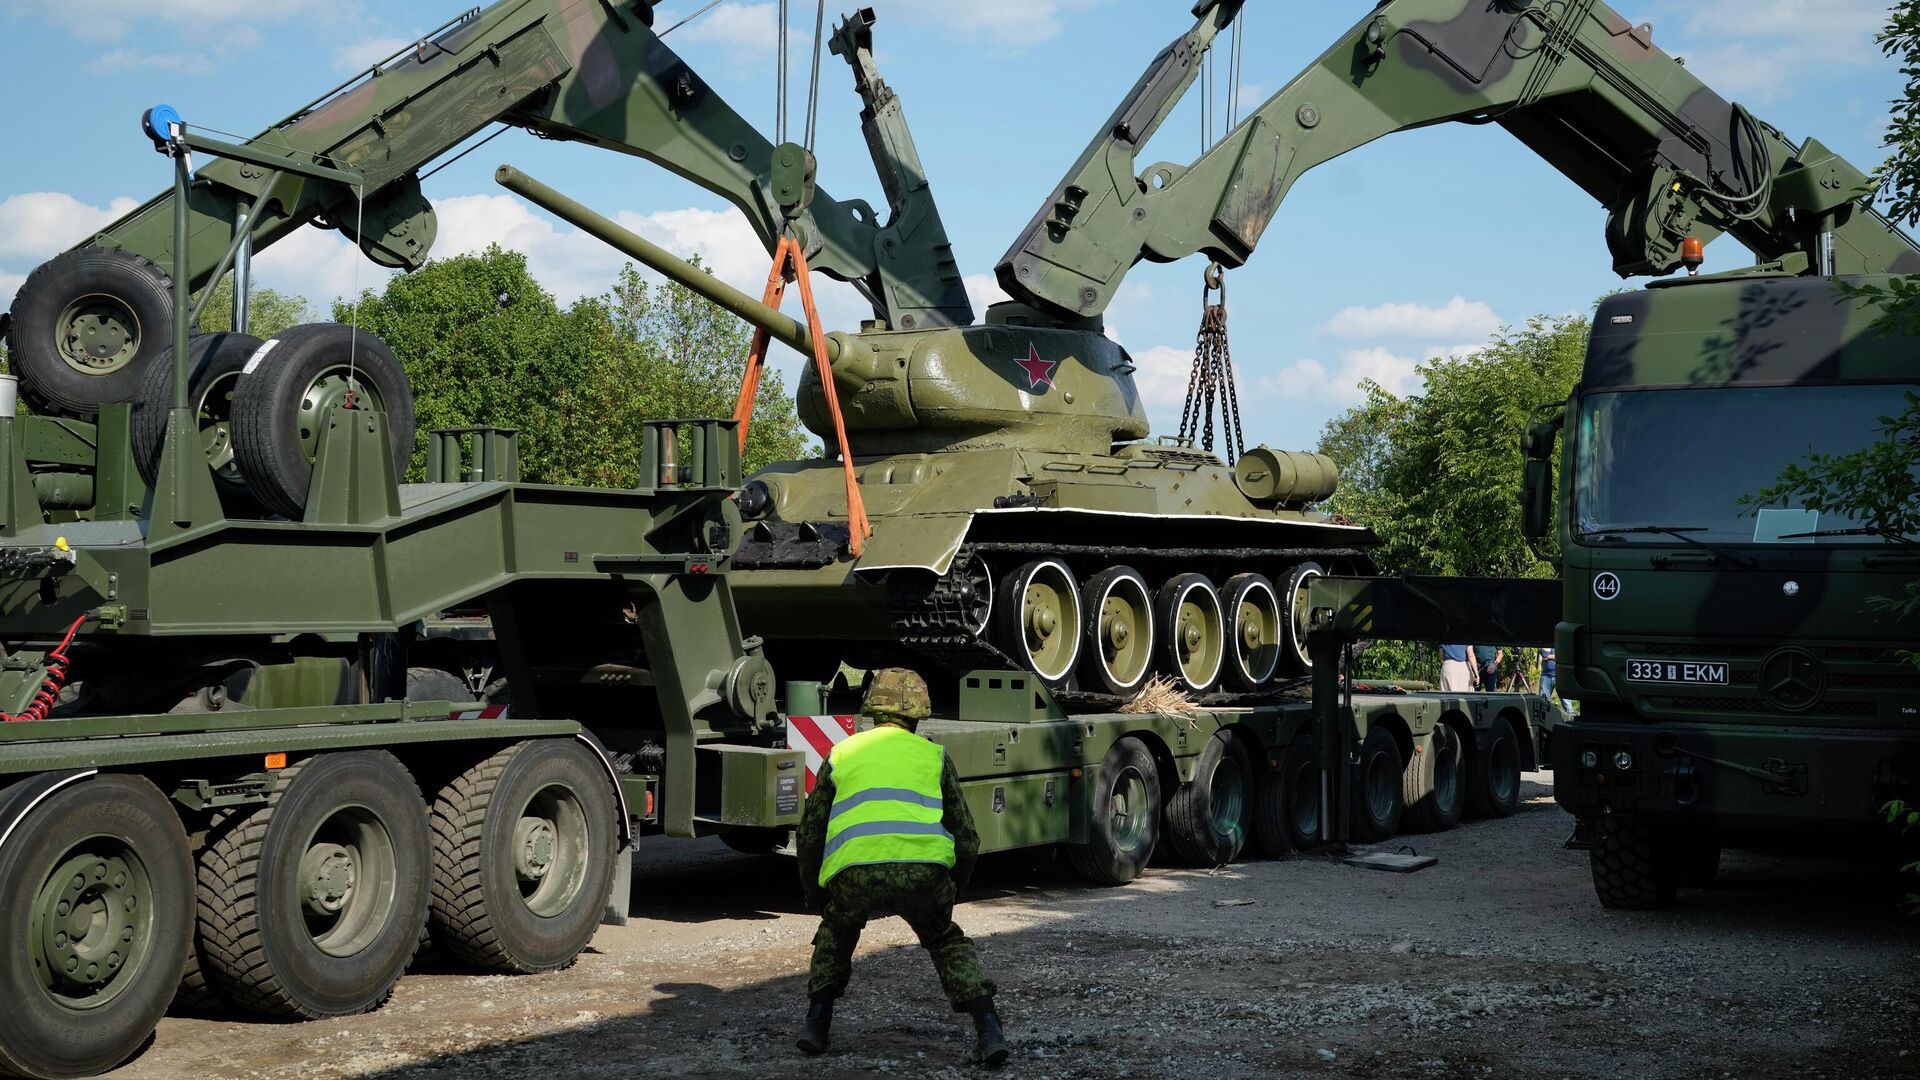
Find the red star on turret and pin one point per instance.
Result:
(1039, 372)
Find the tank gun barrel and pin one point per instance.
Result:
(783, 329)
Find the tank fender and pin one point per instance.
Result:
(20, 799)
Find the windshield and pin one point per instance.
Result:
(1685, 459)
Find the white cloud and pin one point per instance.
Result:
(984, 291)
(1340, 387)
(1161, 374)
(1457, 318)
(367, 52)
(9, 285)
(747, 30)
(118, 61)
(38, 225)
(1748, 48)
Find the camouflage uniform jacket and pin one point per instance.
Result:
(810, 840)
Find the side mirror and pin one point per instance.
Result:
(1536, 493)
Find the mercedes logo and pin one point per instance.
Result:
(1792, 679)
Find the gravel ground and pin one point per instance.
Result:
(1497, 962)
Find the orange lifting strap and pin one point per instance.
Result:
(858, 527)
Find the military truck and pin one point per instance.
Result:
(1735, 684)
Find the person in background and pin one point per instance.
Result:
(1549, 670)
(1456, 672)
(1486, 661)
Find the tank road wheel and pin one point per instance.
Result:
(1378, 799)
(1435, 784)
(1634, 869)
(1254, 631)
(1294, 658)
(96, 895)
(215, 363)
(1117, 655)
(1208, 817)
(311, 906)
(1193, 638)
(279, 413)
(523, 847)
(86, 325)
(1039, 614)
(1123, 822)
(1493, 774)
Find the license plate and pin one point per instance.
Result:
(1707, 672)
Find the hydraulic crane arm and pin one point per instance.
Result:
(1583, 88)
(591, 71)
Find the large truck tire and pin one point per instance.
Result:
(1493, 773)
(1301, 767)
(1435, 783)
(215, 363)
(86, 326)
(1272, 803)
(1123, 820)
(311, 905)
(1378, 798)
(523, 853)
(279, 413)
(96, 913)
(1209, 817)
(1633, 870)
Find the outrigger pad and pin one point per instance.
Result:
(1393, 862)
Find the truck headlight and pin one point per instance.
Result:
(1589, 759)
(1623, 761)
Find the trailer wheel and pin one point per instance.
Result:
(279, 413)
(86, 325)
(1493, 774)
(523, 847)
(1379, 799)
(1434, 785)
(215, 363)
(1208, 817)
(1272, 802)
(311, 906)
(1301, 819)
(1123, 821)
(1633, 870)
(96, 894)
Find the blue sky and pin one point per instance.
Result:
(1420, 244)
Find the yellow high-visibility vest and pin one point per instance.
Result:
(887, 806)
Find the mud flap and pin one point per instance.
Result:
(620, 890)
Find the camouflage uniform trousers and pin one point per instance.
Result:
(920, 893)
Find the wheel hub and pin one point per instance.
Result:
(328, 873)
(90, 913)
(533, 844)
(101, 335)
(1118, 630)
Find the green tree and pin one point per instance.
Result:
(1438, 474)
(483, 343)
(269, 311)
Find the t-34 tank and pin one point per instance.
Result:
(1021, 517)
(1018, 507)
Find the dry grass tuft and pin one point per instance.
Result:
(1160, 695)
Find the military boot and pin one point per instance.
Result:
(989, 1044)
(813, 1037)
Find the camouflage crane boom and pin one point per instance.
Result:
(587, 71)
(1577, 83)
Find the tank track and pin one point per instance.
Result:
(933, 622)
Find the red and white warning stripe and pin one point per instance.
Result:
(490, 712)
(817, 735)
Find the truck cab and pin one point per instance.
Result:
(1736, 679)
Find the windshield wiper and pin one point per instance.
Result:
(1678, 532)
(1863, 530)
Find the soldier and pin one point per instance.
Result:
(886, 832)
